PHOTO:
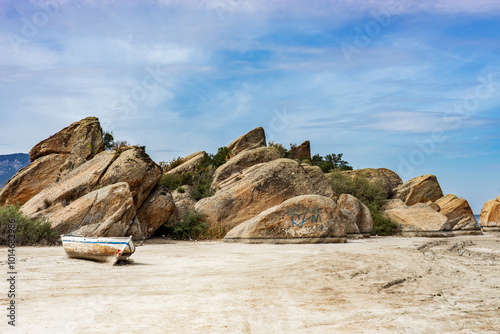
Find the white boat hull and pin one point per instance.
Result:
(111, 249)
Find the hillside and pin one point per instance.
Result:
(10, 164)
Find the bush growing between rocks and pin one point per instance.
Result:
(369, 193)
(191, 226)
(28, 231)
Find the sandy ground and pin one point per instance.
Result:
(376, 285)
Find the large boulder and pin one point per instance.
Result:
(184, 202)
(32, 179)
(188, 164)
(136, 168)
(255, 189)
(153, 213)
(303, 151)
(490, 215)
(458, 212)
(320, 182)
(83, 138)
(106, 212)
(418, 219)
(383, 176)
(420, 189)
(253, 139)
(242, 161)
(53, 158)
(76, 184)
(361, 214)
(301, 219)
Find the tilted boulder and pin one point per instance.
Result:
(106, 212)
(490, 215)
(76, 184)
(184, 202)
(303, 151)
(153, 213)
(255, 189)
(458, 211)
(383, 176)
(136, 168)
(253, 139)
(32, 179)
(83, 138)
(301, 219)
(320, 182)
(242, 161)
(361, 214)
(188, 164)
(420, 189)
(53, 158)
(417, 220)
(351, 229)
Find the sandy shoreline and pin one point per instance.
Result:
(382, 285)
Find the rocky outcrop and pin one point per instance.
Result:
(420, 189)
(82, 138)
(422, 220)
(153, 213)
(104, 212)
(76, 184)
(242, 161)
(418, 219)
(383, 176)
(490, 215)
(136, 168)
(184, 202)
(32, 179)
(301, 219)
(458, 212)
(53, 158)
(303, 151)
(255, 189)
(360, 213)
(188, 164)
(320, 182)
(253, 139)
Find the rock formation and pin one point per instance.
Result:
(53, 158)
(458, 212)
(253, 139)
(423, 220)
(32, 179)
(76, 184)
(320, 182)
(490, 215)
(255, 189)
(154, 212)
(184, 202)
(420, 189)
(383, 176)
(188, 164)
(303, 151)
(242, 161)
(360, 214)
(301, 219)
(104, 212)
(136, 168)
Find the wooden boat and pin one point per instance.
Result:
(110, 249)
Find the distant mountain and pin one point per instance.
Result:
(10, 164)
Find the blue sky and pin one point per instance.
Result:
(413, 86)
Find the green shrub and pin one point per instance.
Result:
(191, 226)
(330, 162)
(174, 181)
(372, 194)
(281, 149)
(221, 157)
(181, 190)
(28, 231)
